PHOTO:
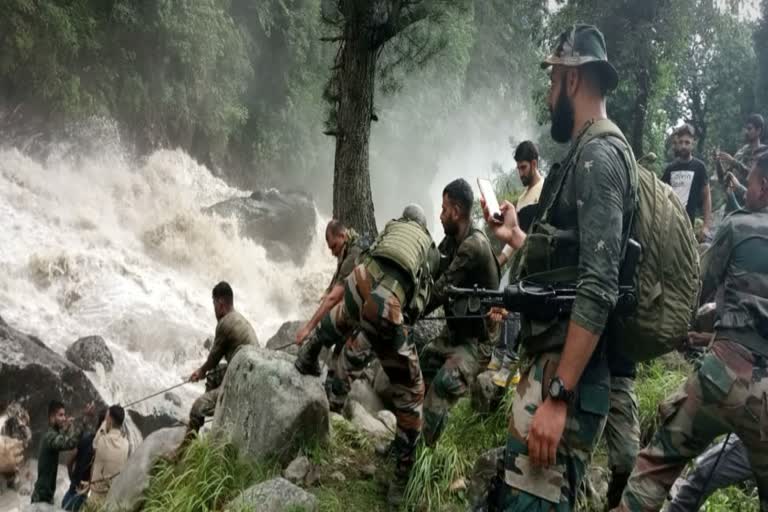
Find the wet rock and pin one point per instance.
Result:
(173, 398)
(33, 375)
(127, 491)
(297, 470)
(388, 419)
(149, 423)
(86, 352)
(283, 222)
(363, 393)
(285, 337)
(363, 420)
(288, 411)
(276, 495)
(426, 330)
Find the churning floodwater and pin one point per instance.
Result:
(99, 244)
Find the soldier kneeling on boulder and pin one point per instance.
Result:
(232, 332)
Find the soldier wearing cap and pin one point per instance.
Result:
(584, 214)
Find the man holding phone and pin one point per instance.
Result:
(504, 355)
(585, 206)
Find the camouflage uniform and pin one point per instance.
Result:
(728, 390)
(744, 158)
(232, 332)
(372, 305)
(349, 359)
(586, 205)
(54, 441)
(451, 362)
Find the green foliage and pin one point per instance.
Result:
(738, 498)
(656, 381)
(467, 436)
(209, 475)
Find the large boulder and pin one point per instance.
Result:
(363, 393)
(283, 222)
(267, 408)
(369, 424)
(427, 330)
(285, 337)
(276, 495)
(87, 351)
(33, 375)
(128, 487)
(149, 423)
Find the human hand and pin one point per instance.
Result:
(725, 157)
(699, 339)
(546, 431)
(301, 335)
(497, 314)
(196, 376)
(507, 228)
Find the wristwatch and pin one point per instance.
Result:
(557, 390)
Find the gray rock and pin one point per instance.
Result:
(173, 398)
(368, 470)
(485, 396)
(363, 420)
(33, 375)
(40, 507)
(149, 423)
(208, 343)
(426, 330)
(284, 339)
(269, 217)
(128, 487)
(267, 408)
(388, 419)
(297, 470)
(363, 393)
(485, 469)
(276, 495)
(87, 351)
(338, 476)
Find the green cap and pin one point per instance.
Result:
(582, 44)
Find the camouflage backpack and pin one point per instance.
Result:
(667, 275)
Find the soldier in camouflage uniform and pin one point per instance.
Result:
(451, 362)
(62, 435)
(390, 286)
(350, 358)
(728, 390)
(739, 165)
(585, 210)
(232, 332)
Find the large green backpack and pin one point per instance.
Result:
(667, 276)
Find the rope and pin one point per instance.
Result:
(153, 395)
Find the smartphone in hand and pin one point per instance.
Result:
(486, 190)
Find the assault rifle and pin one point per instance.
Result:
(547, 301)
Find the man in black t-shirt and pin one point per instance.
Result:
(688, 178)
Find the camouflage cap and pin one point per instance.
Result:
(582, 44)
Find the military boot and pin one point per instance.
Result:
(396, 492)
(309, 353)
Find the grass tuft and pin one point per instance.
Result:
(210, 474)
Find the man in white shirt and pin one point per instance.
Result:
(504, 356)
(111, 453)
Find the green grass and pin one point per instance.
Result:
(467, 436)
(655, 382)
(209, 475)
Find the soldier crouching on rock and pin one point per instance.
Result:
(232, 332)
(390, 286)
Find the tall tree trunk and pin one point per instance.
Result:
(761, 49)
(352, 202)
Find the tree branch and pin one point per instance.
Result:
(404, 14)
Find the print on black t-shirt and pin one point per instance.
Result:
(687, 179)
